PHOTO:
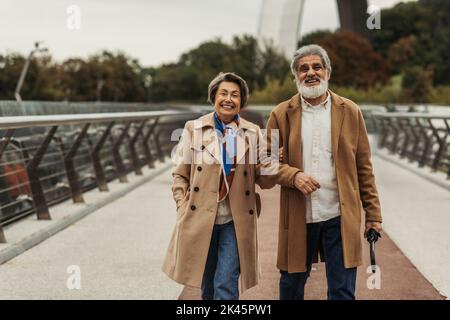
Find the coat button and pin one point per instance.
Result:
(247, 193)
(245, 173)
(203, 147)
(196, 189)
(199, 168)
(250, 211)
(193, 207)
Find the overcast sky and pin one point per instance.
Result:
(154, 31)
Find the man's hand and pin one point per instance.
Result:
(305, 183)
(374, 225)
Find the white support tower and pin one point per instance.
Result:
(279, 24)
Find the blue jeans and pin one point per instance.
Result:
(221, 275)
(341, 281)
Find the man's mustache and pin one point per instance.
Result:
(312, 78)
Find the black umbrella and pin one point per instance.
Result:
(372, 237)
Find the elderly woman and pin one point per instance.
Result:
(215, 237)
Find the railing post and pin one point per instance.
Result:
(116, 154)
(384, 131)
(72, 176)
(5, 141)
(448, 132)
(158, 146)
(134, 156)
(3, 144)
(2, 235)
(416, 139)
(421, 154)
(95, 155)
(393, 147)
(148, 153)
(441, 143)
(39, 201)
(406, 136)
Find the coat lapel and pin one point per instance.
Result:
(205, 136)
(212, 145)
(337, 118)
(294, 143)
(242, 145)
(246, 137)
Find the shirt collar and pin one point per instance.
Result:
(220, 125)
(306, 105)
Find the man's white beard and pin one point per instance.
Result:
(312, 92)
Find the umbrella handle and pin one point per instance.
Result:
(372, 257)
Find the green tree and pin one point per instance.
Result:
(353, 60)
(417, 84)
(106, 76)
(401, 52)
(428, 21)
(313, 37)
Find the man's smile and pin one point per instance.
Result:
(312, 82)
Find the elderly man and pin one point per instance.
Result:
(325, 176)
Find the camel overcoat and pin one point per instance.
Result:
(354, 175)
(195, 191)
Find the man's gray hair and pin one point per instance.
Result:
(309, 50)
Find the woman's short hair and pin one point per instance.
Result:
(228, 77)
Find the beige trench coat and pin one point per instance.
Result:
(354, 175)
(195, 190)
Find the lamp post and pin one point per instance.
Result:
(148, 85)
(25, 69)
(100, 84)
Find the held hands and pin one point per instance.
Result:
(305, 183)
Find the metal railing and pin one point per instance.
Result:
(419, 137)
(66, 155)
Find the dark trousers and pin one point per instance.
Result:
(341, 281)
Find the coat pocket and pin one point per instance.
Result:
(183, 205)
(258, 204)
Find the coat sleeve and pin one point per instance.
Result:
(366, 179)
(270, 171)
(183, 160)
(265, 167)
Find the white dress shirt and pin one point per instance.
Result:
(318, 162)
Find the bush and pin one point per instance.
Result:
(275, 92)
(440, 95)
